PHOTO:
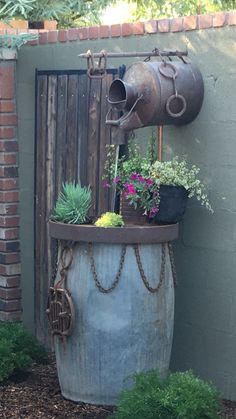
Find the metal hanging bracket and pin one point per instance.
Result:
(96, 70)
(156, 52)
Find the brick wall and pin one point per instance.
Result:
(10, 292)
(49, 35)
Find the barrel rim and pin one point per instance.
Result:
(127, 234)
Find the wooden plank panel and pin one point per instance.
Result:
(83, 129)
(93, 155)
(60, 166)
(72, 127)
(71, 136)
(50, 165)
(40, 227)
(105, 138)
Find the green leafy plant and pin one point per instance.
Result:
(66, 12)
(139, 178)
(18, 349)
(179, 173)
(180, 396)
(131, 177)
(110, 219)
(73, 204)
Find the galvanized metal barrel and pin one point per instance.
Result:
(157, 93)
(123, 296)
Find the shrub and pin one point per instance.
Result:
(110, 219)
(72, 205)
(18, 349)
(180, 396)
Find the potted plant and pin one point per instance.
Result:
(159, 190)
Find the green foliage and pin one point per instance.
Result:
(156, 9)
(110, 219)
(18, 349)
(16, 41)
(180, 396)
(66, 12)
(72, 205)
(88, 12)
(179, 173)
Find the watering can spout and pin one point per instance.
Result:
(122, 95)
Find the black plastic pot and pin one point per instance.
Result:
(173, 202)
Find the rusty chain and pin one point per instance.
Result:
(172, 263)
(141, 270)
(94, 272)
(60, 309)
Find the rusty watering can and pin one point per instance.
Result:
(156, 93)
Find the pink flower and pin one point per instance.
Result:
(134, 176)
(153, 211)
(149, 181)
(116, 179)
(141, 178)
(105, 184)
(131, 189)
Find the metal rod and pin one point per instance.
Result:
(155, 53)
(160, 141)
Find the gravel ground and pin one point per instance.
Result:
(36, 395)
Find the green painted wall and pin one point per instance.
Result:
(205, 326)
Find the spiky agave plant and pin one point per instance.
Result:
(73, 204)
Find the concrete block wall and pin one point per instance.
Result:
(205, 326)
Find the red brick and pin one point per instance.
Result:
(8, 184)
(163, 25)
(9, 196)
(62, 35)
(9, 246)
(176, 24)
(9, 234)
(115, 30)
(50, 25)
(9, 221)
(104, 31)
(150, 26)
(7, 82)
(93, 32)
(8, 145)
(43, 37)
(10, 281)
(10, 305)
(52, 37)
(7, 132)
(7, 106)
(10, 270)
(8, 119)
(138, 28)
(10, 293)
(8, 171)
(127, 29)
(6, 258)
(204, 21)
(8, 158)
(219, 19)
(190, 23)
(232, 18)
(8, 209)
(33, 42)
(73, 34)
(83, 33)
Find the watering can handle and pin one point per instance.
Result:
(123, 117)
